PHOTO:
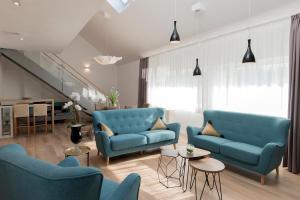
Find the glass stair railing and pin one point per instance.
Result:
(58, 74)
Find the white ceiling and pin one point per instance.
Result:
(147, 24)
(51, 25)
(48, 25)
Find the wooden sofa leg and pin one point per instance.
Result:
(174, 145)
(262, 179)
(277, 171)
(107, 161)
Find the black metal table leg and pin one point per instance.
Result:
(163, 167)
(212, 185)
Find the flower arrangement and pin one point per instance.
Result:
(74, 108)
(113, 97)
(190, 148)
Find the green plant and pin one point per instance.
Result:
(113, 97)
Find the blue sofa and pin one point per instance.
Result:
(25, 178)
(132, 132)
(252, 142)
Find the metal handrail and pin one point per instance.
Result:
(69, 66)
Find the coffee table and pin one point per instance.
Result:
(209, 166)
(164, 168)
(83, 150)
(196, 155)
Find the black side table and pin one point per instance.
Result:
(165, 168)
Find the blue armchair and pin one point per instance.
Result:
(26, 178)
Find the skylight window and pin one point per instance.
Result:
(119, 5)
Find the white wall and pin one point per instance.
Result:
(81, 52)
(128, 83)
(16, 83)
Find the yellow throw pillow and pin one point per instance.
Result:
(106, 129)
(210, 130)
(159, 125)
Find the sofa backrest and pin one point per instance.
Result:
(128, 120)
(249, 128)
(26, 178)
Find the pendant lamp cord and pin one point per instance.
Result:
(175, 10)
(249, 15)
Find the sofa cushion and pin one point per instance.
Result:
(242, 152)
(210, 130)
(209, 143)
(103, 127)
(155, 136)
(126, 141)
(159, 125)
(108, 188)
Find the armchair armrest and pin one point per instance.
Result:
(271, 156)
(192, 131)
(70, 161)
(128, 189)
(102, 142)
(13, 148)
(176, 128)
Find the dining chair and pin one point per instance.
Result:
(21, 111)
(40, 110)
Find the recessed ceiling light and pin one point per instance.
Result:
(87, 65)
(16, 2)
(87, 69)
(21, 39)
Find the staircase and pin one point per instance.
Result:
(59, 75)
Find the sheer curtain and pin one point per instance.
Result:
(170, 84)
(226, 83)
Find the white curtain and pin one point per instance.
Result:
(226, 83)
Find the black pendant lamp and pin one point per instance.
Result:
(249, 56)
(175, 38)
(197, 70)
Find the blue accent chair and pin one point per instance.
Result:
(132, 131)
(25, 178)
(252, 142)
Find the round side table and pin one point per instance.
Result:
(209, 166)
(83, 150)
(164, 168)
(196, 155)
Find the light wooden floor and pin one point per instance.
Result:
(236, 185)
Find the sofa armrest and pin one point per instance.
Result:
(176, 128)
(102, 142)
(271, 156)
(70, 161)
(128, 189)
(192, 131)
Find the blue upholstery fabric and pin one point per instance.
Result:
(69, 162)
(108, 188)
(155, 136)
(126, 141)
(128, 120)
(127, 190)
(132, 121)
(253, 142)
(252, 129)
(26, 178)
(209, 143)
(242, 152)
